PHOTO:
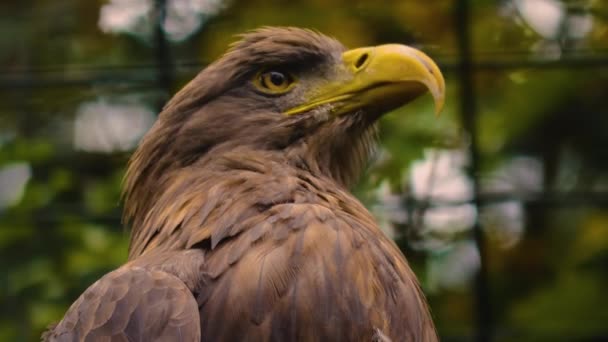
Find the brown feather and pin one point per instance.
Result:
(144, 300)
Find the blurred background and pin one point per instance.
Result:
(500, 204)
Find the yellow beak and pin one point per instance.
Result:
(379, 79)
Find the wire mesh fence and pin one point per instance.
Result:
(162, 72)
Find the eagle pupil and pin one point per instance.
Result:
(277, 78)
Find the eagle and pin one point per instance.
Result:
(242, 224)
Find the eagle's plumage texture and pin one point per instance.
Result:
(242, 225)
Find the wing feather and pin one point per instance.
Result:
(132, 304)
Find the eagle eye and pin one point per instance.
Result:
(274, 82)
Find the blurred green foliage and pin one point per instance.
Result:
(61, 165)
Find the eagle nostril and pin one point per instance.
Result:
(361, 60)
